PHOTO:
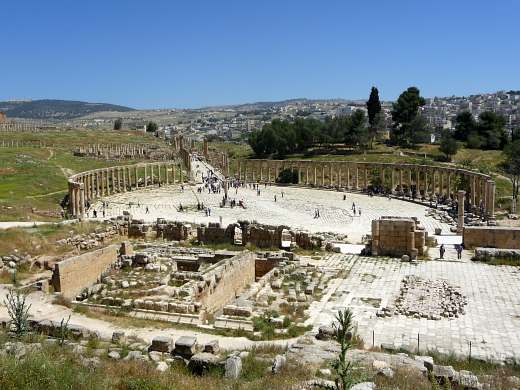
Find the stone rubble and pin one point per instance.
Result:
(424, 298)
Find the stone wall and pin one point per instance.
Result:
(72, 275)
(491, 236)
(262, 236)
(214, 233)
(394, 236)
(264, 266)
(231, 277)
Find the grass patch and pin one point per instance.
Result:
(40, 240)
(57, 368)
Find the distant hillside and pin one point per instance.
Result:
(265, 105)
(55, 109)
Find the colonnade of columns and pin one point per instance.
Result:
(88, 186)
(421, 182)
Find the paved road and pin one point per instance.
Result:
(294, 207)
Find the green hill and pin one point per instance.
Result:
(50, 109)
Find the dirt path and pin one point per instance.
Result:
(42, 308)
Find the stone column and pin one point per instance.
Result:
(366, 177)
(473, 191)
(348, 177)
(461, 195)
(82, 201)
(449, 184)
(77, 198)
(72, 200)
(357, 177)
(315, 175)
(103, 182)
(124, 179)
(145, 176)
(331, 173)
(410, 182)
(307, 174)
(491, 201)
(339, 175)
(392, 172)
(98, 189)
(443, 179)
(107, 177)
(434, 184)
(401, 181)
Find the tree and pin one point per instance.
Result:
(356, 132)
(288, 176)
(491, 128)
(409, 126)
(465, 125)
(515, 134)
(512, 168)
(374, 114)
(449, 145)
(151, 127)
(118, 124)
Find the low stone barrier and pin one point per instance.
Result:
(491, 237)
(490, 254)
(72, 275)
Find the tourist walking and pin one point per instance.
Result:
(459, 251)
(441, 251)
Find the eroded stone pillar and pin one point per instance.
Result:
(491, 201)
(410, 182)
(461, 195)
(72, 200)
(81, 201)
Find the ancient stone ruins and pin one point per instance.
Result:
(195, 238)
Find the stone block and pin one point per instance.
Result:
(212, 347)
(203, 362)
(233, 367)
(161, 344)
(185, 346)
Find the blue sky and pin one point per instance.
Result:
(151, 54)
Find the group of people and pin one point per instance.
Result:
(458, 247)
(353, 208)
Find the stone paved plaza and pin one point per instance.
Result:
(296, 208)
(492, 314)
